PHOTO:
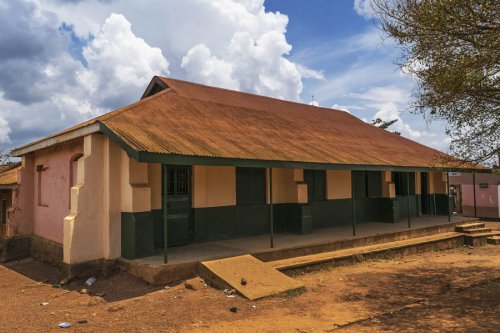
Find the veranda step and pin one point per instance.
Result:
(359, 253)
(468, 226)
(493, 240)
(477, 231)
(479, 239)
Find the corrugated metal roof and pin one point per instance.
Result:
(195, 120)
(191, 120)
(8, 174)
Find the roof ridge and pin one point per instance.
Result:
(117, 112)
(250, 94)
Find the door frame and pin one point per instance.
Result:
(166, 202)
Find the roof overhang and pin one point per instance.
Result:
(175, 159)
(8, 187)
(56, 139)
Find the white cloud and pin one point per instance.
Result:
(341, 108)
(120, 64)
(118, 67)
(4, 131)
(239, 37)
(364, 8)
(71, 60)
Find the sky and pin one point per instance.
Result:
(65, 61)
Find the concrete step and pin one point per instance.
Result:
(415, 245)
(493, 240)
(468, 226)
(477, 230)
(479, 239)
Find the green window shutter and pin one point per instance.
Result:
(250, 186)
(316, 185)
(359, 179)
(374, 184)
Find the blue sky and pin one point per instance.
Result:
(63, 62)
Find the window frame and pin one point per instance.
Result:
(40, 169)
(251, 186)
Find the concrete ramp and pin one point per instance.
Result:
(249, 276)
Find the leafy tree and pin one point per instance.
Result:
(452, 49)
(385, 124)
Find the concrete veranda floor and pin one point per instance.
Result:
(233, 247)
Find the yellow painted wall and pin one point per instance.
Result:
(418, 184)
(214, 186)
(154, 182)
(111, 200)
(338, 184)
(288, 186)
(83, 231)
(136, 193)
(108, 183)
(437, 182)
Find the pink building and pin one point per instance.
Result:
(476, 195)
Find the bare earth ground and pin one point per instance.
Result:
(450, 291)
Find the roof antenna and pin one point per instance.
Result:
(312, 99)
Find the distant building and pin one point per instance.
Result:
(476, 195)
(8, 191)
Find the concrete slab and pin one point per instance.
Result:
(360, 253)
(249, 276)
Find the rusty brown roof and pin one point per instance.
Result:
(189, 119)
(8, 173)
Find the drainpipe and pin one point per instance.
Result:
(448, 194)
(271, 217)
(474, 191)
(165, 219)
(353, 205)
(408, 197)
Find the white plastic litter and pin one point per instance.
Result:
(90, 281)
(44, 303)
(64, 325)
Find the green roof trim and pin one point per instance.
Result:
(175, 159)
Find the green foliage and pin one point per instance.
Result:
(452, 49)
(385, 124)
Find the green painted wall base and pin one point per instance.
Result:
(138, 236)
(142, 233)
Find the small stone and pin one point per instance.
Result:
(44, 303)
(189, 286)
(83, 291)
(243, 282)
(95, 301)
(233, 309)
(116, 308)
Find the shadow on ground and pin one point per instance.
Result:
(447, 299)
(118, 286)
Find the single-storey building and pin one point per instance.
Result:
(476, 195)
(192, 163)
(8, 198)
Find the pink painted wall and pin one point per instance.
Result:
(485, 197)
(48, 219)
(487, 200)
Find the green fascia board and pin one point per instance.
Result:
(176, 159)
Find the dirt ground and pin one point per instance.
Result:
(450, 291)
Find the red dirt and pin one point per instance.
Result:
(451, 291)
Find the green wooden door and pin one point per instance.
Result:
(179, 205)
